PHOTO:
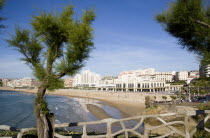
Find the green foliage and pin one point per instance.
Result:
(147, 101)
(201, 82)
(55, 83)
(155, 106)
(204, 106)
(27, 44)
(29, 134)
(183, 96)
(57, 46)
(205, 58)
(178, 83)
(173, 97)
(164, 97)
(1, 83)
(201, 134)
(7, 133)
(201, 85)
(43, 105)
(2, 3)
(189, 22)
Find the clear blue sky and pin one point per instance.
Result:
(126, 36)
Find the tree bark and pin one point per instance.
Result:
(44, 119)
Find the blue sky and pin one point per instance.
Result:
(126, 36)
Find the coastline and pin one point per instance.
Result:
(128, 107)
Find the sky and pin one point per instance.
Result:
(126, 36)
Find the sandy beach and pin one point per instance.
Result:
(114, 96)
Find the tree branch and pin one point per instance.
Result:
(202, 23)
(60, 75)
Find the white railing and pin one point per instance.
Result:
(169, 120)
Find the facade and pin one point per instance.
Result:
(68, 82)
(107, 80)
(170, 87)
(204, 71)
(183, 75)
(140, 85)
(165, 76)
(141, 80)
(149, 74)
(86, 79)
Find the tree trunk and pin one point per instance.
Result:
(44, 119)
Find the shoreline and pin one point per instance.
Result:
(78, 94)
(135, 108)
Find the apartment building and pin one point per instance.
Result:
(86, 79)
(204, 71)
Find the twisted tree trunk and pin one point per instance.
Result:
(44, 119)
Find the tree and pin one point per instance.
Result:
(173, 98)
(183, 96)
(147, 101)
(189, 22)
(57, 46)
(164, 98)
(2, 3)
(1, 83)
(202, 85)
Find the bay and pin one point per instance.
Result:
(16, 109)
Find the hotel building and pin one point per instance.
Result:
(142, 80)
(86, 79)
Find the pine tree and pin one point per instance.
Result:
(58, 45)
(189, 22)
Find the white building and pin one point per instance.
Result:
(183, 75)
(142, 80)
(24, 82)
(149, 74)
(170, 87)
(164, 76)
(107, 80)
(86, 79)
(139, 80)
